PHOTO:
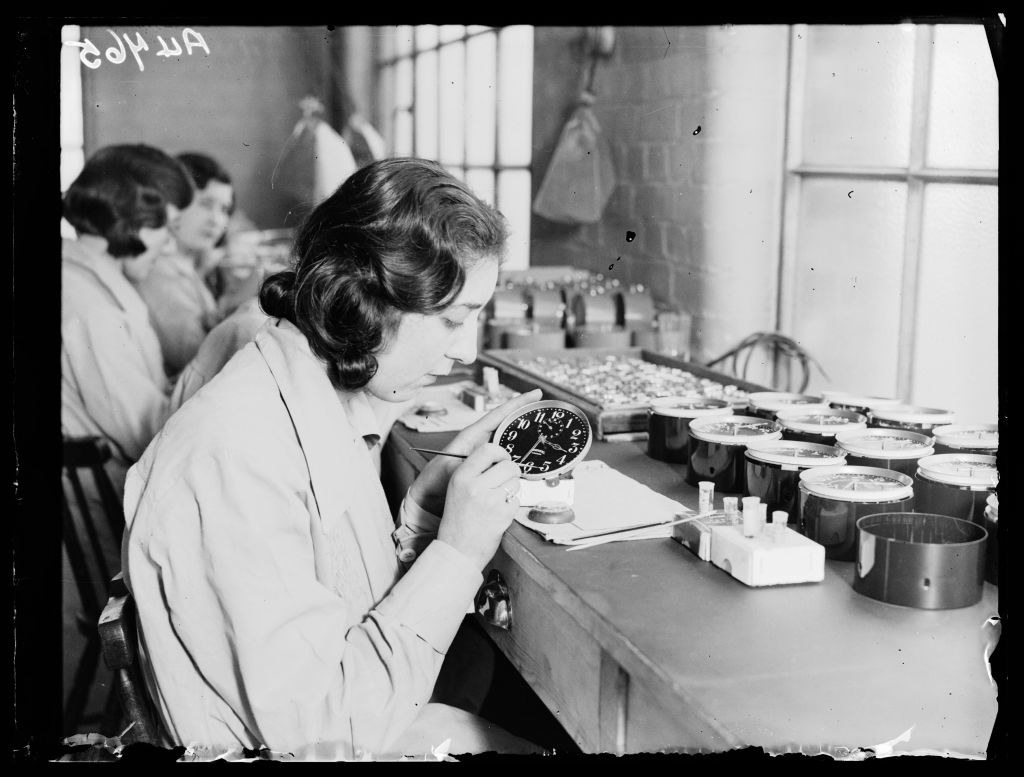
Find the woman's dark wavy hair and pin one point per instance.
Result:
(203, 169)
(396, 237)
(123, 188)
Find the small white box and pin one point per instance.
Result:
(773, 557)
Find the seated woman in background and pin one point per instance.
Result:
(112, 379)
(278, 604)
(181, 306)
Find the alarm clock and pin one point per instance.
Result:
(547, 439)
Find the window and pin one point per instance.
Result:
(463, 95)
(72, 154)
(889, 268)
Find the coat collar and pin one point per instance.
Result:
(107, 270)
(330, 428)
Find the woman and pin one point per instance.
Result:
(112, 380)
(278, 605)
(181, 307)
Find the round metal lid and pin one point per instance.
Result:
(820, 421)
(968, 435)
(776, 400)
(914, 414)
(734, 429)
(859, 400)
(795, 454)
(692, 406)
(961, 469)
(885, 443)
(857, 484)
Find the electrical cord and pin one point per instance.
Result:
(776, 344)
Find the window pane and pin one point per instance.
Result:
(474, 28)
(403, 83)
(403, 40)
(514, 202)
(847, 281)
(426, 105)
(453, 102)
(963, 129)
(426, 36)
(955, 343)
(450, 32)
(480, 99)
(384, 43)
(403, 133)
(481, 181)
(858, 95)
(72, 157)
(515, 95)
(457, 171)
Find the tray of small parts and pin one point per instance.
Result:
(613, 386)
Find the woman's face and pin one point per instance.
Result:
(154, 238)
(204, 221)
(426, 346)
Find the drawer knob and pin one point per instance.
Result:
(493, 601)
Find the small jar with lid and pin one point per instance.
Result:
(773, 471)
(991, 524)
(818, 426)
(913, 418)
(886, 448)
(767, 403)
(833, 498)
(955, 484)
(668, 424)
(858, 403)
(717, 444)
(981, 439)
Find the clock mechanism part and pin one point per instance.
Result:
(552, 512)
(547, 439)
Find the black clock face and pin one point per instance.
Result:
(545, 438)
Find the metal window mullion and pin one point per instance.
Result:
(793, 134)
(496, 158)
(913, 228)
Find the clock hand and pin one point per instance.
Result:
(540, 439)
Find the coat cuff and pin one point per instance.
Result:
(434, 595)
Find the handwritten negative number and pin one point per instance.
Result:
(191, 39)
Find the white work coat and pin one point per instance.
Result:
(263, 559)
(112, 378)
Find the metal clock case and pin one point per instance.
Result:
(555, 434)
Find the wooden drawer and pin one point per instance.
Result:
(552, 652)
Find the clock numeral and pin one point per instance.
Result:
(561, 460)
(524, 423)
(574, 448)
(511, 434)
(539, 417)
(510, 448)
(546, 466)
(527, 466)
(569, 422)
(558, 414)
(577, 432)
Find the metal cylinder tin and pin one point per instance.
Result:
(858, 403)
(766, 403)
(535, 337)
(967, 438)
(818, 426)
(955, 484)
(895, 449)
(833, 498)
(601, 336)
(913, 418)
(716, 448)
(923, 560)
(773, 471)
(668, 424)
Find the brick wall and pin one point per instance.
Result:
(706, 208)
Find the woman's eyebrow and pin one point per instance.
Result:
(468, 305)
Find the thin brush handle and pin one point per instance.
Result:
(442, 453)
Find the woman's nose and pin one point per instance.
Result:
(463, 350)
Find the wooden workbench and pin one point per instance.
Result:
(642, 647)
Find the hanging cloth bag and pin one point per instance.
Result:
(580, 177)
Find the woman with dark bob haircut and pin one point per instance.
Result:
(278, 604)
(112, 379)
(182, 308)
